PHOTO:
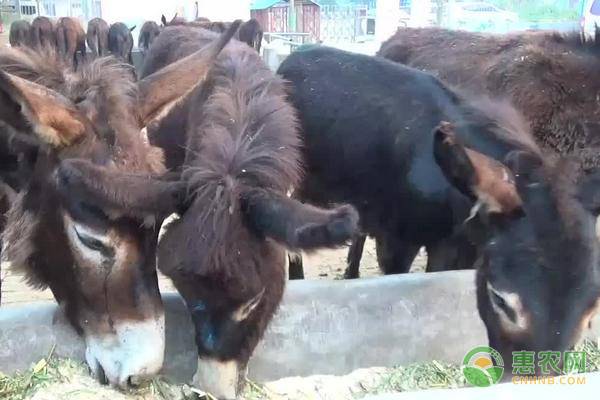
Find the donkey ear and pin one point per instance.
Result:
(161, 91)
(133, 194)
(474, 174)
(163, 20)
(54, 118)
(132, 28)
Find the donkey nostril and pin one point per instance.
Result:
(101, 375)
(135, 381)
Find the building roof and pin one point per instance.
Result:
(264, 4)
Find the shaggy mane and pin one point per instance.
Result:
(243, 135)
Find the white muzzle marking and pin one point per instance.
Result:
(136, 349)
(218, 378)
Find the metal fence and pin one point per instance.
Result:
(345, 23)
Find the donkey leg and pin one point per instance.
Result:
(296, 268)
(451, 254)
(441, 256)
(354, 255)
(395, 256)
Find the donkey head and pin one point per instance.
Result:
(538, 281)
(97, 256)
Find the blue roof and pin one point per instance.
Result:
(263, 4)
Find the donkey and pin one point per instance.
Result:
(550, 77)
(149, 31)
(373, 137)
(251, 33)
(120, 41)
(98, 258)
(43, 33)
(97, 37)
(19, 33)
(70, 40)
(226, 252)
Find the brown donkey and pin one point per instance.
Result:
(550, 77)
(19, 33)
(43, 33)
(226, 252)
(97, 257)
(70, 40)
(97, 37)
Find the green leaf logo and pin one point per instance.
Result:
(483, 366)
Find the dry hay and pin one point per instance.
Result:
(56, 379)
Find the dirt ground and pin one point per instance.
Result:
(326, 264)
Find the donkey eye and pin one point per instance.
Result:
(499, 301)
(91, 242)
(500, 304)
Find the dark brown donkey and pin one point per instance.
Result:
(19, 33)
(251, 33)
(226, 252)
(120, 41)
(70, 40)
(552, 78)
(148, 32)
(43, 33)
(97, 37)
(97, 257)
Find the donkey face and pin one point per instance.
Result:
(96, 254)
(538, 282)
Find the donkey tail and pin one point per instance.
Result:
(61, 41)
(296, 225)
(94, 43)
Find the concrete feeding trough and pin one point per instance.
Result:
(322, 327)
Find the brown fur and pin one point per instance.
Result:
(250, 31)
(34, 240)
(70, 39)
(19, 33)
(97, 255)
(149, 31)
(97, 37)
(241, 131)
(43, 33)
(242, 155)
(550, 77)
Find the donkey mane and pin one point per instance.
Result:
(243, 135)
(575, 40)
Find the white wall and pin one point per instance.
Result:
(224, 10)
(387, 18)
(136, 12)
(420, 13)
(126, 10)
(217, 10)
(63, 8)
